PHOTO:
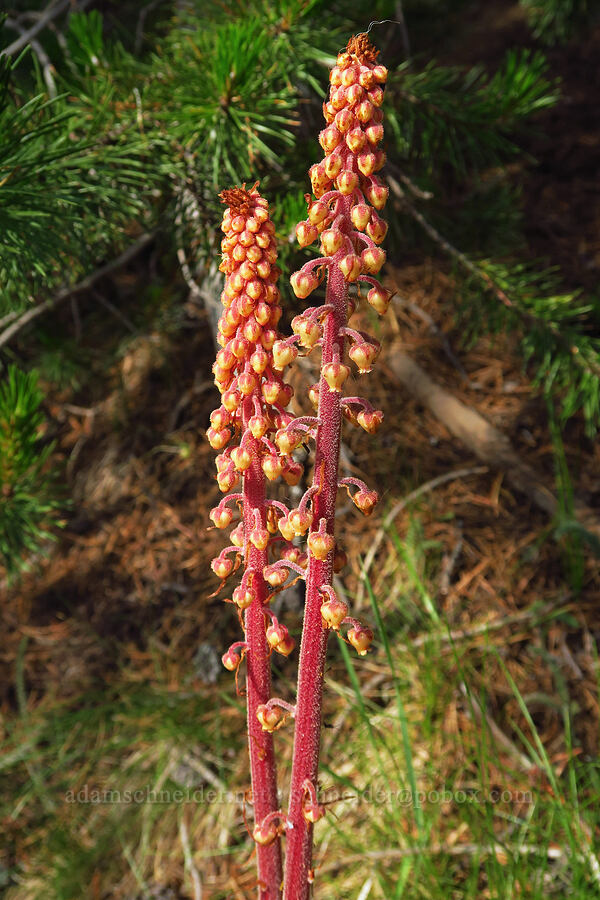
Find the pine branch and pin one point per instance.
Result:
(66, 293)
(567, 357)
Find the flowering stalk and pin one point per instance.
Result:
(344, 214)
(253, 398)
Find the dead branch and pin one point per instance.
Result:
(487, 443)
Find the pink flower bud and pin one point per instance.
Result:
(355, 140)
(286, 392)
(372, 260)
(335, 374)
(360, 215)
(265, 834)
(286, 646)
(247, 382)
(247, 237)
(287, 441)
(258, 425)
(226, 358)
(231, 400)
(366, 501)
(300, 521)
(370, 421)
(276, 633)
(241, 459)
(367, 79)
(308, 331)
(275, 577)
(221, 516)
(364, 355)
(237, 535)
(262, 313)
(331, 241)
(318, 212)
(364, 112)
(374, 134)
(351, 267)
(344, 120)
(380, 74)
(333, 612)
(272, 466)
(285, 528)
(259, 360)
(218, 439)
(303, 284)
(379, 298)
(361, 638)
(292, 553)
(333, 165)
(282, 420)
(306, 234)
(255, 289)
(283, 355)
(377, 195)
(223, 461)
(320, 545)
(312, 812)
(347, 182)
(243, 597)
(269, 717)
(375, 95)
(380, 158)
(354, 94)
(222, 566)
(239, 253)
(366, 162)
(270, 391)
(231, 659)
(259, 537)
(330, 138)
(273, 516)
(377, 229)
(335, 76)
(268, 338)
(328, 112)
(227, 480)
(252, 330)
(349, 76)
(247, 270)
(338, 99)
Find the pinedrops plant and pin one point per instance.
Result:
(257, 437)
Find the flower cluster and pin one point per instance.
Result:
(352, 157)
(256, 438)
(248, 366)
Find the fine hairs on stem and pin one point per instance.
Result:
(256, 437)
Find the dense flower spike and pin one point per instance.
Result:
(344, 216)
(253, 393)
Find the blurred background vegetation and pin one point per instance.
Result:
(119, 125)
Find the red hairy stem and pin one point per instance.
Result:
(311, 666)
(350, 231)
(258, 678)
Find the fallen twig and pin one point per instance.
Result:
(486, 442)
